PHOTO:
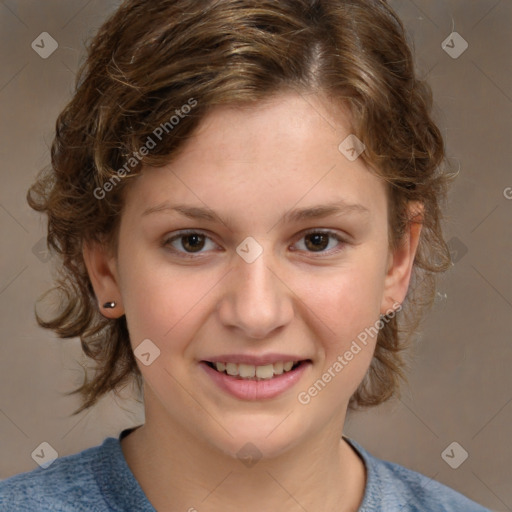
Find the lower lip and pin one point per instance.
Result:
(246, 389)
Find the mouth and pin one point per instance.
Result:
(242, 371)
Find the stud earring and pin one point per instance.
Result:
(110, 305)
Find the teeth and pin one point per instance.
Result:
(249, 371)
(263, 372)
(232, 369)
(246, 370)
(278, 368)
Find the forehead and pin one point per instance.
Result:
(275, 154)
(280, 127)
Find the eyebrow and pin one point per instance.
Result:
(296, 215)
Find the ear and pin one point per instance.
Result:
(102, 269)
(400, 261)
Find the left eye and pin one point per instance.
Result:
(192, 242)
(318, 241)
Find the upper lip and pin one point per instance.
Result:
(255, 360)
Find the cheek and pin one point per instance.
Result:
(159, 300)
(349, 301)
(349, 305)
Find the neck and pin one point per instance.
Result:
(178, 471)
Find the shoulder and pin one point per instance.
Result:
(67, 484)
(393, 487)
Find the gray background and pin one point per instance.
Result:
(460, 379)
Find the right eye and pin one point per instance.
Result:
(186, 243)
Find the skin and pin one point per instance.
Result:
(252, 165)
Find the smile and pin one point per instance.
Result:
(252, 372)
(256, 382)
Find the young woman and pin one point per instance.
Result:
(246, 196)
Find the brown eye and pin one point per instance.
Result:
(317, 241)
(192, 242)
(325, 242)
(188, 243)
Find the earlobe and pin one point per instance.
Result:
(102, 270)
(401, 260)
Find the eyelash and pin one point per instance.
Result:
(182, 234)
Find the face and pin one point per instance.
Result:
(260, 243)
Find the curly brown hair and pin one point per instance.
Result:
(149, 59)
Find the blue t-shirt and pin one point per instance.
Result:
(98, 479)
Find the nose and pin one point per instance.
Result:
(257, 301)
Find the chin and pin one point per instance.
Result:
(256, 440)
